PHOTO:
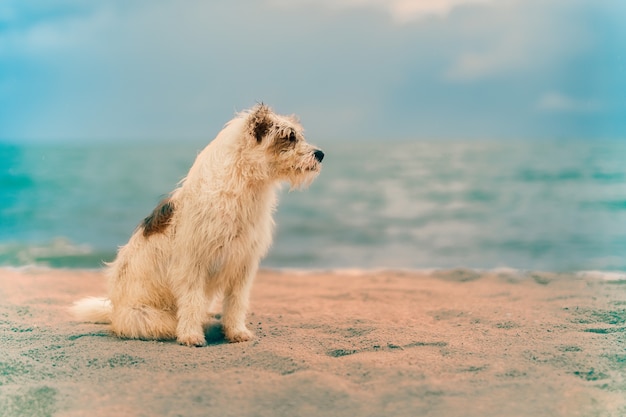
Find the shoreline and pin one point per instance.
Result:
(341, 342)
(603, 275)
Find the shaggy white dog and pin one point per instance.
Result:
(208, 236)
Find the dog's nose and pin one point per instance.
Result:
(319, 155)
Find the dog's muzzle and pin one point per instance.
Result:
(319, 155)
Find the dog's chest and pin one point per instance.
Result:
(239, 223)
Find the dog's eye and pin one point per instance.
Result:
(292, 137)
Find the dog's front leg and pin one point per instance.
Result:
(236, 299)
(192, 306)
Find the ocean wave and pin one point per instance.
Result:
(57, 253)
(462, 274)
(603, 275)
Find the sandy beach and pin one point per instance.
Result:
(336, 343)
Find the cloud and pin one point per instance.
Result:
(404, 11)
(518, 37)
(349, 68)
(557, 102)
(401, 11)
(36, 31)
(470, 66)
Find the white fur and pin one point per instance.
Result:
(209, 237)
(93, 309)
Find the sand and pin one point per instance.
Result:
(336, 343)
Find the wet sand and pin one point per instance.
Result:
(336, 343)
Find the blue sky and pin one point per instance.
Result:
(351, 69)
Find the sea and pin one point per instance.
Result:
(549, 205)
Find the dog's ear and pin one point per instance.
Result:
(259, 121)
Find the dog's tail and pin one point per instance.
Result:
(93, 309)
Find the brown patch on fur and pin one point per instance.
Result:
(260, 121)
(261, 129)
(159, 219)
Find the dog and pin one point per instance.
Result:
(207, 237)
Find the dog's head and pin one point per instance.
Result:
(278, 142)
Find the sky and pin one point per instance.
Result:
(350, 69)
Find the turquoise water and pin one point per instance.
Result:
(551, 205)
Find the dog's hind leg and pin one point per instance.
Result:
(143, 322)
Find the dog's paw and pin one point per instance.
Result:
(192, 340)
(236, 336)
